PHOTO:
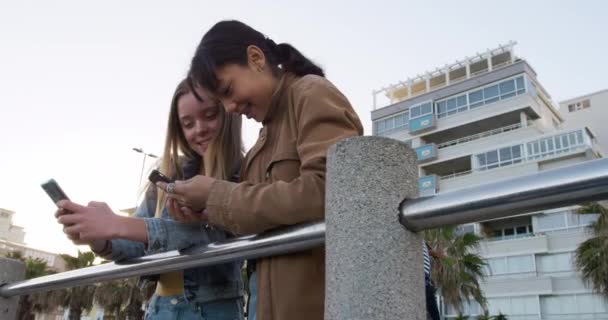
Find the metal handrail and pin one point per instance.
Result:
(287, 240)
(546, 190)
(549, 189)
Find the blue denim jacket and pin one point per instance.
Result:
(201, 285)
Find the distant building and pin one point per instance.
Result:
(485, 119)
(9, 231)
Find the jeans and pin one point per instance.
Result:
(177, 308)
(252, 297)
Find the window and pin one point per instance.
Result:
(512, 232)
(499, 158)
(583, 104)
(392, 123)
(476, 98)
(573, 304)
(514, 306)
(555, 145)
(557, 262)
(421, 110)
(564, 220)
(510, 265)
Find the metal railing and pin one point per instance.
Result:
(546, 190)
(549, 189)
(484, 134)
(277, 242)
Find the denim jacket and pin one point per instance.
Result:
(201, 285)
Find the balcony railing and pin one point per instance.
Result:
(558, 145)
(482, 135)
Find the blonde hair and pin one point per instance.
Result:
(221, 160)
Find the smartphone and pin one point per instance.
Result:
(54, 191)
(155, 176)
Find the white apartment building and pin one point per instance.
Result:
(590, 110)
(9, 231)
(484, 119)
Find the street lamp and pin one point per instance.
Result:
(143, 164)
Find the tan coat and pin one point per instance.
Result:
(284, 184)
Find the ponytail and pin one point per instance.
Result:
(292, 60)
(226, 43)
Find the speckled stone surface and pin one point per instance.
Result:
(10, 271)
(373, 264)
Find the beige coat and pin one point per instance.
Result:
(284, 184)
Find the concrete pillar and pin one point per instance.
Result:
(523, 119)
(373, 264)
(10, 271)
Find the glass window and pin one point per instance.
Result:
(521, 230)
(380, 126)
(497, 266)
(520, 264)
(492, 159)
(551, 221)
(516, 151)
(441, 108)
(462, 100)
(490, 94)
(481, 158)
(579, 137)
(389, 124)
(507, 89)
(398, 121)
(414, 112)
(509, 232)
(452, 106)
(426, 108)
(520, 83)
(476, 98)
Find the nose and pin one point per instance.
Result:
(229, 105)
(202, 127)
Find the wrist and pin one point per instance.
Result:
(119, 227)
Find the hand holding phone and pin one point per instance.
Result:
(156, 176)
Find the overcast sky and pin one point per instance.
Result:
(83, 82)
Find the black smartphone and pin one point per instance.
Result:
(155, 176)
(54, 191)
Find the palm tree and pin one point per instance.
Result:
(77, 299)
(457, 270)
(592, 255)
(34, 267)
(122, 298)
(500, 316)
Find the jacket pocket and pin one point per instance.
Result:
(283, 166)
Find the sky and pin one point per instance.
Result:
(84, 82)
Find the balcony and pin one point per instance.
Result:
(517, 287)
(485, 140)
(542, 153)
(527, 245)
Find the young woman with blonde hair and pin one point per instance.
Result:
(201, 139)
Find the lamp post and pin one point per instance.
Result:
(143, 164)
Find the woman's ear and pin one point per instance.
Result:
(256, 58)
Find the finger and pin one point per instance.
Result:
(70, 206)
(68, 219)
(189, 214)
(177, 189)
(74, 236)
(175, 211)
(96, 204)
(60, 212)
(71, 230)
(176, 198)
